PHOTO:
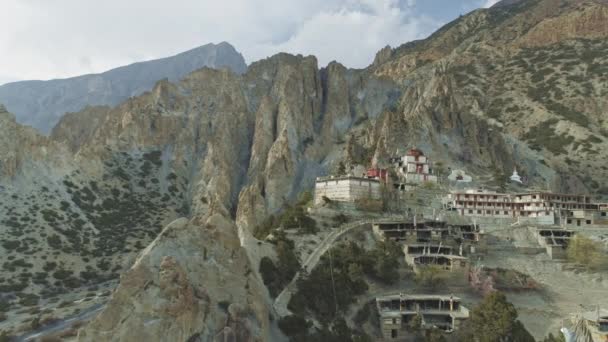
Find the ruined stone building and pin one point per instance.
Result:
(397, 312)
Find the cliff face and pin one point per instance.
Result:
(495, 89)
(41, 104)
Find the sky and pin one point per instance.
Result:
(46, 39)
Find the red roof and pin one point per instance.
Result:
(377, 173)
(415, 152)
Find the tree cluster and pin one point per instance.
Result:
(332, 286)
(494, 320)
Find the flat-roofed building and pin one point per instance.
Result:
(346, 189)
(422, 231)
(451, 263)
(555, 241)
(414, 167)
(533, 207)
(436, 311)
(425, 231)
(419, 256)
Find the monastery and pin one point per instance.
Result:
(534, 207)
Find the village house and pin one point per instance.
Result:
(587, 217)
(345, 189)
(414, 168)
(459, 176)
(397, 311)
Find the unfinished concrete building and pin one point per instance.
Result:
(425, 231)
(555, 241)
(419, 256)
(451, 263)
(400, 231)
(397, 312)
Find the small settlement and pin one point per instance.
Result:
(431, 242)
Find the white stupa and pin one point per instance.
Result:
(515, 177)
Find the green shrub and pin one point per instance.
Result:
(294, 325)
(4, 305)
(29, 300)
(369, 205)
(345, 272)
(270, 276)
(431, 277)
(586, 252)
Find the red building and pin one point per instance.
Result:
(377, 173)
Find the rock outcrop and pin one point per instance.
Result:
(193, 283)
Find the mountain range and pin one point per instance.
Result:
(166, 187)
(41, 104)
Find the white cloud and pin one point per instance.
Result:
(489, 3)
(44, 39)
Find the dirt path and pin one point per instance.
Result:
(63, 324)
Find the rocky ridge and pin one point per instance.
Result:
(41, 104)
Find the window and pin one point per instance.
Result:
(488, 212)
(479, 211)
(569, 221)
(497, 212)
(506, 212)
(588, 221)
(604, 213)
(470, 211)
(394, 321)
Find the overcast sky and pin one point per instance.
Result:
(44, 39)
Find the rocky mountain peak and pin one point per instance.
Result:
(41, 104)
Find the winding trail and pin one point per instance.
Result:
(62, 324)
(280, 303)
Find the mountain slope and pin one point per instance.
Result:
(485, 93)
(42, 103)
